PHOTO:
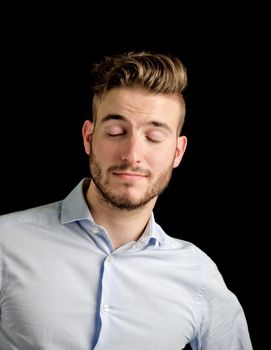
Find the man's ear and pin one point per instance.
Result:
(87, 131)
(180, 149)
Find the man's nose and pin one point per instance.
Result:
(132, 150)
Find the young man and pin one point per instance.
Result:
(95, 271)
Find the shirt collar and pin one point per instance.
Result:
(152, 231)
(75, 208)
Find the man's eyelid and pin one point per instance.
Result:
(155, 140)
(114, 127)
(157, 133)
(159, 129)
(160, 126)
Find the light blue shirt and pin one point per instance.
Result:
(65, 288)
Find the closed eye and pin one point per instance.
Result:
(115, 130)
(155, 136)
(114, 135)
(153, 140)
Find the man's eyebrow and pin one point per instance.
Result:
(160, 125)
(121, 118)
(112, 117)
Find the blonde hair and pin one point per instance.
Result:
(156, 73)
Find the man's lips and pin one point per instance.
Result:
(129, 175)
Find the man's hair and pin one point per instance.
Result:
(156, 73)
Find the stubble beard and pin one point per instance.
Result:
(124, 201)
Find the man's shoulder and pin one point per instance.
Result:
(172, 242)
(30, 216)
(189, 248)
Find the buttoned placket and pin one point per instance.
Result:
(105, 299)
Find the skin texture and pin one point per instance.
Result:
(133, 147)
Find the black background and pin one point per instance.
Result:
(215, 194)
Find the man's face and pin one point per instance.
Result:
(133, 146)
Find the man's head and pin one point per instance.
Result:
(133, 142)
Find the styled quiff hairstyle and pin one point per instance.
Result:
(156, 73)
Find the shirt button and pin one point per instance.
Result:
(105, 307)
(109, 258)
(95, 229)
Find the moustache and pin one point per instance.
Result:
(127, 168)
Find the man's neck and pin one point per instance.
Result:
(122, 226)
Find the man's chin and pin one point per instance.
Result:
(127, 202)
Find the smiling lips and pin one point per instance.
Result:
(129, 175)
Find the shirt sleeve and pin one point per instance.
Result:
(223, 324)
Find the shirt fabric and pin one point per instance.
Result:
(63, 287)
